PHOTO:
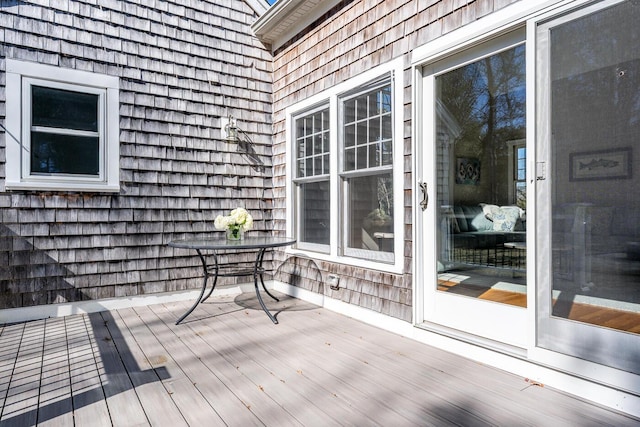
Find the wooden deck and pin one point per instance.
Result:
(227, 364)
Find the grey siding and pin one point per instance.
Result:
(183, 65)
(359, 36)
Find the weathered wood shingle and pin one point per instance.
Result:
(357, 37)
(182, 66)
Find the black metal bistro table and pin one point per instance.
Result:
(216, 245)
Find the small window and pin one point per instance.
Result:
(518, 173)
(63, 129)
(520, 178)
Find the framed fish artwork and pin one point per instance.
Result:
(605, 164)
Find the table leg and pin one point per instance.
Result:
(257, 271)
(204, 284)
(215, 274)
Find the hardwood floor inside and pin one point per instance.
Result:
(484, 293)
(622, 320)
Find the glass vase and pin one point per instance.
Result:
(235, 234)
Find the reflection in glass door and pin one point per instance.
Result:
(480, 110)
(591, 133)
(480, 260)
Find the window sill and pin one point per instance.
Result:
(59, 186)
(395, 268)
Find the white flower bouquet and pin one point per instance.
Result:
(236, 223)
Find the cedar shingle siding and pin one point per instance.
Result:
(362, 35)
(183, 65)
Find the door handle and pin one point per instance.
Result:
(425, 196)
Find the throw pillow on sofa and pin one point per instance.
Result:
(504, 218)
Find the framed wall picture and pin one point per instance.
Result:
(468, 171)
(604, 164)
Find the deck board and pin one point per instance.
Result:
(272, 375)
(194, 371)
(156, 347)
(22, 395)
(54, 406)
(120, 394)
(154, 397)
(227, 364)
(87, 398)
(226, 371)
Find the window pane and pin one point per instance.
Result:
(385, 101)
(349, 111)
(361, 105)
(386, 127)
(374, 155)
(361, 137)
(349, 135)
(317, 144)
(64, 109)
(308, 147)
(387, 153)
(361, 157)
(301, 148)
(349, 159)
(370, 207)
(374, 129)
(64, 154)
(317, 122)
(314, 213)
(299, 127)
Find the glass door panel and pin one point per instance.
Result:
(476, 279)
(592, 309)
(480, 111)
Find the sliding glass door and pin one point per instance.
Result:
(476, 280)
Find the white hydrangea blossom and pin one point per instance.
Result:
(238, 217)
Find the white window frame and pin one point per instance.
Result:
(297, 181)
(346, 175)
(21, 76)
(394, 262)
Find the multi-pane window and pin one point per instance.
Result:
(367, 172)
(342, 169)
(64, 129)
(312, 155)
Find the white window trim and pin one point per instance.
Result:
(19, 75)
(313, 247)
(331, 95)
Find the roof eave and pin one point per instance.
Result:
(286, 18)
